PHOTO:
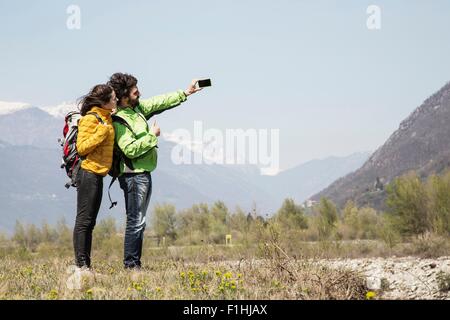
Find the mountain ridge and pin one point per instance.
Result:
(420, 143)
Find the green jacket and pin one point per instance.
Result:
(140, 145)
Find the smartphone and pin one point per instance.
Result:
(204, 83)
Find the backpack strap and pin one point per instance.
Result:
(113, 203)
(97, 116)
(123, 122)
(127, 161)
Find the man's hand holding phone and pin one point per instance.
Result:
(197, 85)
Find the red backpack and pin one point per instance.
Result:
(71, 160)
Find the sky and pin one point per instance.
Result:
(312, 69)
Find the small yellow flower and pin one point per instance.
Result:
(158, 289)
(228, 275)
(52, 295)
(182, 275)
(370, 295)
(89, 291)
(137, 286)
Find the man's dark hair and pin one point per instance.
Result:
(122, 83)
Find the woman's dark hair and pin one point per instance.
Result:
(98, 96)
(122, 83)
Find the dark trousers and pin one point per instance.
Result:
(89, 198)
(137, 188)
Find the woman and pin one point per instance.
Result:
(95, 144)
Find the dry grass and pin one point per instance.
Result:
(192, 272)
(272, 268)
(169, 279)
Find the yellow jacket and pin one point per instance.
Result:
(95, 141)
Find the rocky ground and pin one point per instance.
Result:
(402, 278)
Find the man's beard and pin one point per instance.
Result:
(134, 103)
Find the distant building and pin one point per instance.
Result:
(378, 185)
(309, 203)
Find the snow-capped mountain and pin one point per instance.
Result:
(11, 107)
(59, 111)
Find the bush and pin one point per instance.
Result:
(429, 245)
(407, 203)
(387, 231)
(164, 221)
(27, 236)
(291, 215)
(438, 189)
(327, 219)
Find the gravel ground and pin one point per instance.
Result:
(401, 278)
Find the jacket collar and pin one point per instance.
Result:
(104, 112)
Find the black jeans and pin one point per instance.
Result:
(89, 198)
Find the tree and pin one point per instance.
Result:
(350, 217)
(387, 231)
(49, 234)
(20, 235)
(291, 215)
(407, 203)
(27, 236)
(367, 223)
(64, 232)
(219, 221)
(164, 221)
(105, 229)
(327, 218)
(238, 221)
(438, 189)
(220, 212)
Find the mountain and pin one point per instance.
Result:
(31, 189)
(31, 126)
(32, 186)
(60, 111)
(303, 181)
(11, 107)
(421, 143)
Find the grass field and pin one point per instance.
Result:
(271, 264)
(168, 279)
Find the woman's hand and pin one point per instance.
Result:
(155, 129)
(192, 89)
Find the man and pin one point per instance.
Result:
(139, 150)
